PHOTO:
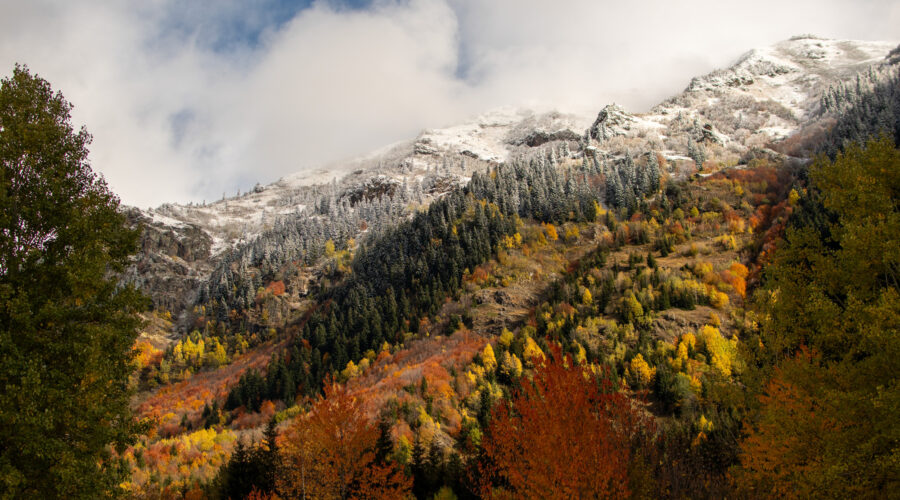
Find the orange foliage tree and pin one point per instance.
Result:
(276, 287)
(565, 434)
(329, 453)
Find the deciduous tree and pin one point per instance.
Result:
(331, 453)
(67, 326)
(826, 422)
(565, 434)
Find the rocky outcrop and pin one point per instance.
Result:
(372, 188)
(611, 121)
(541, 137)
(173, 261)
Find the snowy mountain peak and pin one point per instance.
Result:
(494, 136)
(792, 73)
(765, 96)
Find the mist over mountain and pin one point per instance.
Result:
(736, 114)
(699, 298)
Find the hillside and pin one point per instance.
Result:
(439, 279)
(734, 114)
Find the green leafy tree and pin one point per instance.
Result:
(67, 326)
(826, 425)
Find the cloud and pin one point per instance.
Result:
(190, 100)
(637, 53)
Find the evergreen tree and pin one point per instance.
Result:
(236, 477)
(696, 153)
(267, 461)
(653, 172)
(384, 447)
(418, 468)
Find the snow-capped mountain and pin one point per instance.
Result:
(182, 243)
(489, 138)
(767, 95)
(781, 84)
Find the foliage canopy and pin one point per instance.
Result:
(67, 327)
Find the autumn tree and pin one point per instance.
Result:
(826, 424)
(564, 434)
(331, 453)
(67, 325)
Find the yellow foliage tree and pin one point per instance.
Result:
(550, 231)
(488, 360)
(506, 338)
(351, 371)
(510, 365)
(532, 351)
(640, 371)
(721, 352)
(718, 299)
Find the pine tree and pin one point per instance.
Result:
(384, 447)
(418, 468)
(696, 153)
(236, 475)
(267, 461)
(653, 172)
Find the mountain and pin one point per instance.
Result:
(182, 243)
(734, 114)
(442, 279)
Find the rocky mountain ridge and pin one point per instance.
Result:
(732, 114)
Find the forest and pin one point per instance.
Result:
(564, 325)
(680, 351)
(658, 352)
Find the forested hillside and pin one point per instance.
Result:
(595, 326)
(692, 309)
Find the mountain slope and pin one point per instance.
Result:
(434, 321)
(733, 115)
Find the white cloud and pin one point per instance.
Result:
(181, 110)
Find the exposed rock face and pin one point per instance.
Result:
(373, 188)
(708, 134)
(611, 121)
(539, 137)
(436, 185)
(424, 146)
(172, 263)
(893, 56)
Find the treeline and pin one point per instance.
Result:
(303, 239)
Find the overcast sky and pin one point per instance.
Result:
(188, 100)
